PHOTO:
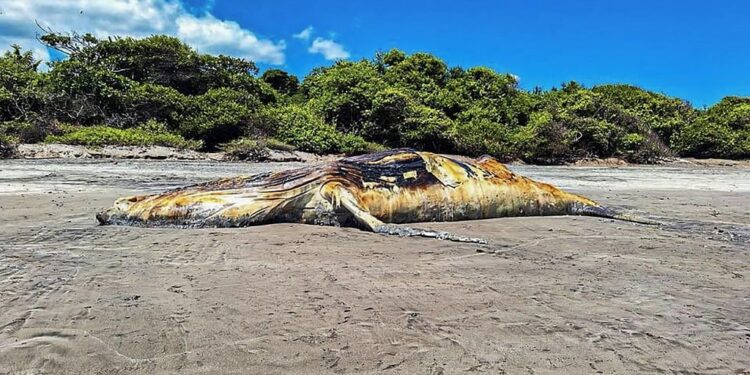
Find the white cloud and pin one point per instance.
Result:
(304, 34)
(211, 35)
(137, 18)
(329, 49)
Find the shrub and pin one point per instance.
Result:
(637, 148)
(85, 93)
(25, 131)
(151, 134)
(721, 131)
(704, 138)
(343, 93)
(307, 131)
(303, 128)
(351, 144)
(477, 132)
(218, 116)
(7, 146)
(426, 128)
(245, 149)
(275, 144)
(544, 140)
(660, 113)
(149, 101)
(388, 113)
(281, 81)
(20, 92)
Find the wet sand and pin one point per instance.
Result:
(547, 295)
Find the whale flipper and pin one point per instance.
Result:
(346, 199)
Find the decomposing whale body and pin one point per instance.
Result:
(374, 192)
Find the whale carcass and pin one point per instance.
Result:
(374, 192)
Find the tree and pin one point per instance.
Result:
(19, 84)
(343, 93)
(218, 116)
(159, 59)
(281, 81)
(421, 75)
(721, 131)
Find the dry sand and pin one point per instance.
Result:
(547, 295)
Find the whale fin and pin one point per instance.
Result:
(601, 211)
(364, 218)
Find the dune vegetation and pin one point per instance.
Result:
(159, 91)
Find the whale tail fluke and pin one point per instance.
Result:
(578, 208)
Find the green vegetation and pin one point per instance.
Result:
(245, 149)
(7, 146)
(149, 134)
(159, 91)
(253, 149)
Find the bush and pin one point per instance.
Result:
(25, 131)
(705, 139)
(307, 131)
(426, 128)
(399, 121)
(389, 111)
(245, 149)
(544, 140)
(637, 148)
(7, 146)
(150, 134)
(343, 93)
(20, 93)
(149, 101)
(85, 93)
(351, 144)
(660, 113)
(275, 144)
(721, 131)
(281, 81)
(218, 116)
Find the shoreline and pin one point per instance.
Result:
(37, 151)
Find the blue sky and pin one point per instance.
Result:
(697, 50)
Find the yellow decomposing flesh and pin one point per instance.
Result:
(372, 191)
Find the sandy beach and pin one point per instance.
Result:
(547, 295)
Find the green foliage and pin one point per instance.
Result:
(544, 140)
(721, 131)
(426, 128)
(420, 73)
(19, 85)
(307, 131)
(245, 149)
(112, 86)
(147, 101)
(602, 122)
(253, 149)
(218, 116)
(703, 138)
(84, 93)
(301, 127)
(149, 134)
(662, 114)
(388, 112)
(275, 144)
(343, 93)
(161, 60)
(7, 145)
(23, 131)
(281, 81)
